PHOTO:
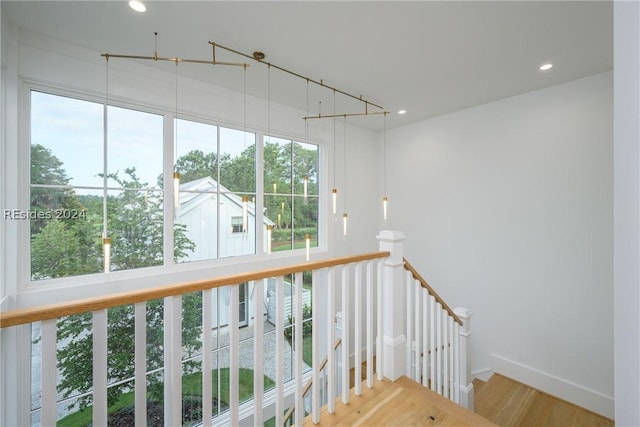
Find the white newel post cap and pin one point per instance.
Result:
(391, 241)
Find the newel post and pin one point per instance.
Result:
(466, 384)
(393, 305)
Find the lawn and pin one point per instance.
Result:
(191, 386)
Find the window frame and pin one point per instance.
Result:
(169, 266)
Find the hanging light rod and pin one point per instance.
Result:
(155, 57)
(259, 56)
(328, 116)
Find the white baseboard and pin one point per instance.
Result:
(482, 374)
(586, 398)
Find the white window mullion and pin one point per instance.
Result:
(140, 364)
(48, 372)
(207, 348)
(167, 180)
(100, 367)
(258, 351)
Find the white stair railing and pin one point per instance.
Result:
(435, 336)
(289, 387)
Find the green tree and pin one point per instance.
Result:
(47, 169)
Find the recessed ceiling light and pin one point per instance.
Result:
(402, 111)
(545, 67)
(138, 6)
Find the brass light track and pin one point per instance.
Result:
(155, 57)
(259, 57)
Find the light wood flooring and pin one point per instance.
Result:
(509, 403)
(399, 403)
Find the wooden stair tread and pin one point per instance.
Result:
(511, 403)
(398, 403)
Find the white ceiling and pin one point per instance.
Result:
(430, 58)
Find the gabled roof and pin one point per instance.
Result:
(198, 191)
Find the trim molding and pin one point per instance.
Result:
(592, 400)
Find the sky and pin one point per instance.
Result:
(73, 130)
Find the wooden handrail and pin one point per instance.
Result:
(68, 308)
(429, 289)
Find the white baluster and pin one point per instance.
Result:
(439, 348)
(445, 354)
(369, 324)
(172, 360)
(315, 346)
(234, 353)
(450, 337)
(380, 314)
(298, 338)
(416, 329)
(279, 351)
(140, 364)
(409, 307)
(357, 379)
(331, 339)
(425, 338)
(258, 351)
(48, 372)
(99, 413)
(207, 349)
(432, 346)
(346, 313)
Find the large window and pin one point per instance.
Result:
(88, 182)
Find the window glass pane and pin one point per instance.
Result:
(135, 226)
(238, 160)
(134, 143)
(278, 212)
(305, 160)
(277, 166)
(232, 243)
(65, 232)
(197, 147)
(66, 140)
(196, 225)
(306, 221)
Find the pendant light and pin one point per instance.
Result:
(334, 192)
(106, 240)
(345, 216)
(385, 199)
(269, 233)
(307, 238)
(176, 174)
(245, 213)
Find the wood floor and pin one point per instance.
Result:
(399, 403)
(509, 403)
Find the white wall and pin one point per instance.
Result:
(508, 211)
(627, 212)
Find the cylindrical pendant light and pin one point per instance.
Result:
(334, 196)
(106, 248)
(344, 224)
(176, 190)
(269, 234)
(245, 213)
(307, 238)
